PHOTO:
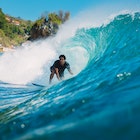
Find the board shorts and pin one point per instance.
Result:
(61, 74)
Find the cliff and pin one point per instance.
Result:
(49, 25)
(15, 31)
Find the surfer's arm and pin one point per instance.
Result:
(69, 70)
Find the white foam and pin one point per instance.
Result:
(25, 63)
(32, 61)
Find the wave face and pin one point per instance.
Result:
(100, 102)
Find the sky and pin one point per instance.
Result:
(33, 9)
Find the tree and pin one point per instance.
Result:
(55, 18)
(2, 20)
(66, 17)
(60, 14)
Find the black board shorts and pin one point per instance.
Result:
(61, 74)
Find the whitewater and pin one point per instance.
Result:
(100, 101)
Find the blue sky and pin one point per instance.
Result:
(32, 9)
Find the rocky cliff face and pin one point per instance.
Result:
(47, 28)
(49, 25)
(15, 31)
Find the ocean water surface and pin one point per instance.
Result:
(101, 101)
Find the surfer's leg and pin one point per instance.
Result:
(51, 75)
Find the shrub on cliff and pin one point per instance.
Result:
(47, 26)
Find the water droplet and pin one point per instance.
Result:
(73, 110)
(83, 101)
(22, 125)
(114, 51)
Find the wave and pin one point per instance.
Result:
(103, 95)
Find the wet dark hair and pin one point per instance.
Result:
(62, 56)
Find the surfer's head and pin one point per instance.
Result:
(62, 59)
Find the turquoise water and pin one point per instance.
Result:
(100, 102)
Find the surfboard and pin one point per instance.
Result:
(35, 84)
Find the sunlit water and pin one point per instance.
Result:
(102, 99)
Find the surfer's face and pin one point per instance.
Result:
(62, 61)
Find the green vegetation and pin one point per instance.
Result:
(3, 21)
(14, 31)
(48, 25)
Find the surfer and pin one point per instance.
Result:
(58, 68)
